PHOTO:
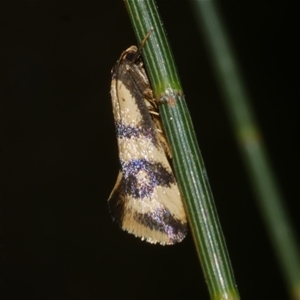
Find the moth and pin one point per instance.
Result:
(145, 200)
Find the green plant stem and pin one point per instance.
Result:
(187, 161)
(251, 144)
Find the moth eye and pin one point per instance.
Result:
(130, 56)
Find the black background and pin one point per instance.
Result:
(60, 160)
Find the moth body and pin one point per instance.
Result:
(145, 200)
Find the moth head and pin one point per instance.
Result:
(130, 54)
(133, 53)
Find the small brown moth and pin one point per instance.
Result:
(145, 200)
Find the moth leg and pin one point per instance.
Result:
(117, 185)
(153, 112)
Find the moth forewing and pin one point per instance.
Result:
(145, 200)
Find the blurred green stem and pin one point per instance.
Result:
(249, 138)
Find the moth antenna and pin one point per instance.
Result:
(139, 50)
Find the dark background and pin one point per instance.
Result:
(60, 160)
